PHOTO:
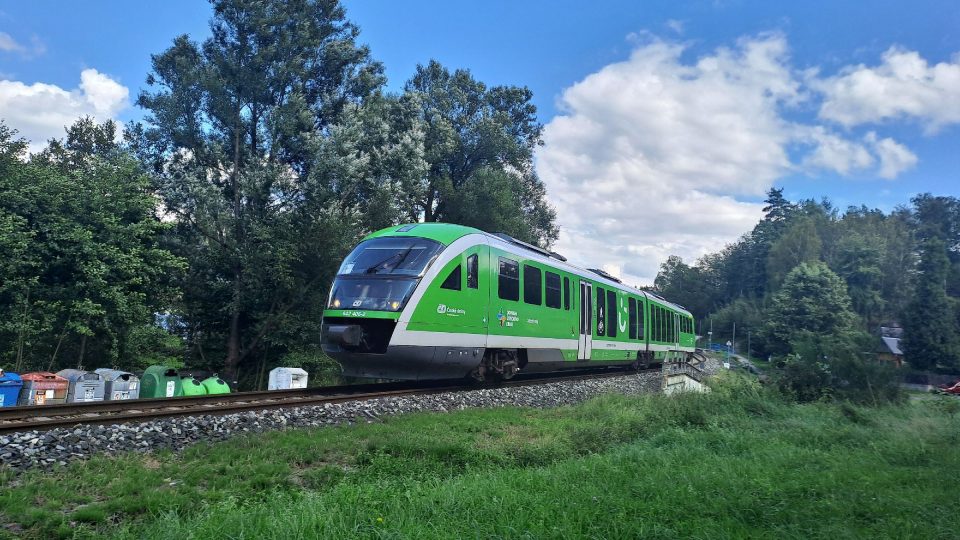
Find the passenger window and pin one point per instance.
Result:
(601, 309)
(553, 290)
(473, 281)
(508, 283)
(532, 286)
(640, 334)
(632, 313)
(453, 280)
(612, 313)
(566, 293)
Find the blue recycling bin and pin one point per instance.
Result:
(10, 384)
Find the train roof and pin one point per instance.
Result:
(447, 233)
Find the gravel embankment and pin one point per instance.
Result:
(46, 449)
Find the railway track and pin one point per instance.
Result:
(44, 417)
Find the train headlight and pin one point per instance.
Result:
(394, 305)
(336, 302)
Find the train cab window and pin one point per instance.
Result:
(532, 285)
(612, 313)
(601, 309)
(508, 282)
(552, 282)
(632, 314)
(473, 280)
(566, 293)
(453, 280)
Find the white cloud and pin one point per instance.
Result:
(657, 155)
(833, 152)
(41, 111)
(904, 85)
(894, 157)
(9, 44)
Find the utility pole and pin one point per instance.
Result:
(748, 343)
(710, 335)
(734, 340)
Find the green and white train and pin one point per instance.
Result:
(436, 301)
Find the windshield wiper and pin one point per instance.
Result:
(373, 268)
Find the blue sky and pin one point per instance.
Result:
(855, 101)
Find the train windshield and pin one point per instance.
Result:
(390, 256)
(377, 294)
(380, 274)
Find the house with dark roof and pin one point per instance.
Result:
(888, 349)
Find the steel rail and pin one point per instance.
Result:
(264, 400)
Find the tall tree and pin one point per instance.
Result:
(233, 131)
(798, 243)
(479, 148)
(813, 300)
(930, 334)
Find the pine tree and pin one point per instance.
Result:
(930, 328)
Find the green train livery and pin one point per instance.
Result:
(436, 301)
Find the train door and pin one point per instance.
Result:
(585, 341)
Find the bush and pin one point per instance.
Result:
(828, 368)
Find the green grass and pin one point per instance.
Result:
(735, 463)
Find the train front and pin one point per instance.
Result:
(373, 286)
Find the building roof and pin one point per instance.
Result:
(892, 344)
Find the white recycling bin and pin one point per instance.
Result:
(286, 378)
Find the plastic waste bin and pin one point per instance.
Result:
(216, 385)
(119, 384)
(285, 378)
(160, 382)
(43, 388)
(84, 385)
(10, 385)
(191, 386)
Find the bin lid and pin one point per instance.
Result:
(116, 374)
(74, 375)
(290, 370)
(9, 378)
(160, 371)
(42, 376)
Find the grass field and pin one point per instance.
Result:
(734, 463)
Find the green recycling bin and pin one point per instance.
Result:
(216, 385)
(191, 386)
(160, 382)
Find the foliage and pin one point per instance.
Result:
(837, 367)
(813, 300)
(930, 329)
(479, 149)
(84, 265)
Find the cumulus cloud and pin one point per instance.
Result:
(659, 155)
(894, 157)
(40, 111)
(904, 85)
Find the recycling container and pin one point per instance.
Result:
(119, 384)
(10, 385)
(285, 378)
(43, 388)
(216, 385)
(160, 382)
(84, 385)
(191, 386)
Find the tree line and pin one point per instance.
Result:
(208, 235)
(812, 286)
